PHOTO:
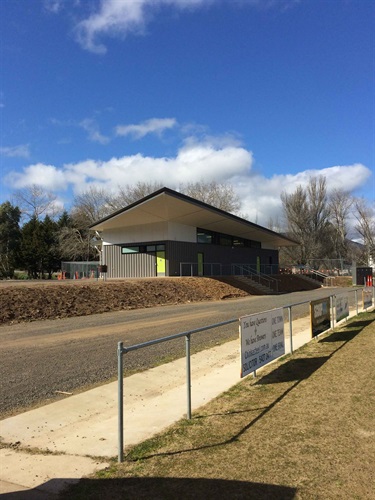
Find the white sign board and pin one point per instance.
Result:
(262, 339)
(367, 298)
(342, 307)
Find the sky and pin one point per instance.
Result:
(260, 94)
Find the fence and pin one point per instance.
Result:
(332, 267)
(218, 269)
(288, 312)
(206, 269)
(79, 270)
(328, 267)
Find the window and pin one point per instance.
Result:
(225, 240)
(238, 242)
(213, 238)
(129, 249)
(204, 236)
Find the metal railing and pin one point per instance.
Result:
(208, 269)
(258, 277)
(121, 350)
(120, 368)
(219, 269)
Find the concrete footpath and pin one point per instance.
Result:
(52, 446)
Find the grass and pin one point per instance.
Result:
(303, 429)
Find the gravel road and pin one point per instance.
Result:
(74, 354)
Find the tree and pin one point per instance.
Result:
(50, 247)
(129, 194)
(39, 247)
(30, 247)
(307, 214)
(74, 243)
(90, 206)
(10, 239)
(75, 239)
(365, 216)
(340, 203)
(219, 195)
(35, 201)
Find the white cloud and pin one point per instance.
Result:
(47, 176)
(118, 18)
(92, 128)
(191, 163)
(218, 159)
(261, 196)
(53, 6)
(152, 126)
(21, 151)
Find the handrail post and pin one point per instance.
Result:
(290, 328)
(356, 301)
(120, 403)
(188, 376)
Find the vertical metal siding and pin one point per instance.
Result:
(178, 251)
(120, 265)
(144, 265)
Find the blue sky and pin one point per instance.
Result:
(257, 93)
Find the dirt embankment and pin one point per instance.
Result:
(30, 302)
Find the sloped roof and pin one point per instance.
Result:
(166, 205)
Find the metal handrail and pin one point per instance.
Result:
(122, 350)
(259, 275)
(194, 265)
(120, 368)
(318, 273)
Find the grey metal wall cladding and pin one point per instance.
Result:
(140, 265)
(188, 252)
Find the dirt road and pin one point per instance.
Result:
(72, 354)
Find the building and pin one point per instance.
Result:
(170, 234)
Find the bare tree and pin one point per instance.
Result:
(365, 215)
(90, 206)
(129, 194)
(274, 224)
(307, 214)
(340, 203)
(75, 238)
(75, 244)
(36, 201)
(219, 195)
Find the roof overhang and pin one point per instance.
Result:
(166, 205)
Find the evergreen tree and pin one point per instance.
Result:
(50, 249)
(31, 247)
(10, 239)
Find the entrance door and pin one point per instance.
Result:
(200, 263)
(160, 262)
